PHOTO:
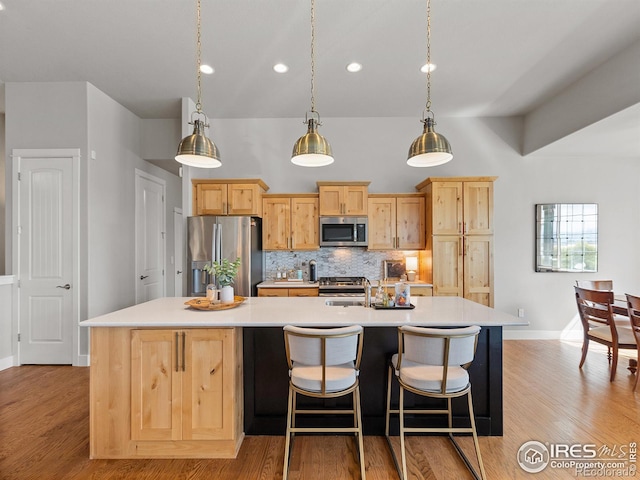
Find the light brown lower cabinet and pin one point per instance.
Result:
(166, 393)
(288, 292)
(420, 291)
(415, 290)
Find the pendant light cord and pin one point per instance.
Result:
(428, 105)
(198, 53)
(313, 65)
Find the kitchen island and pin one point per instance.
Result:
(169, 381)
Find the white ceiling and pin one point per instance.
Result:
(494, 57)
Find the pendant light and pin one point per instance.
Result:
(312, 149)
(196, 150)
(430, 148)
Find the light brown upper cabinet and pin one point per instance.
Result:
(228, 196)
(343, 198)
(397, 222)
(290, 222)
(460, 207)
(458, 259)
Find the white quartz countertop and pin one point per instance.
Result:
(304, 311)
(287, 284)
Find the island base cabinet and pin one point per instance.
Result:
(164, 393)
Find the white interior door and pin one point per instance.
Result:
(150, 237)
(178, 252)
(45, 232)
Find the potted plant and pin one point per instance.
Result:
(225, 273)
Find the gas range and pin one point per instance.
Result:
(341, 286)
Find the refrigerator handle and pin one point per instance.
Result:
(213, 242)
(219, 243)
(214, 231)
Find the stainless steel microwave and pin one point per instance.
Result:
(343, 231)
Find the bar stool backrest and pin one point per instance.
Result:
(438, 346)
(331, 346)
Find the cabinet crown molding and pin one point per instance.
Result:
(430, 180)
(324, 183)
(195, 181)
(290, 195)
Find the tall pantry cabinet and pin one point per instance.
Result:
(458, 259)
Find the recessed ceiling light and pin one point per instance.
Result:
(354, 67)
(208, 69)
(431, 66)
(1, 6)
(280, 68)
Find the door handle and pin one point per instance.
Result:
(142, 277)
(66, 286)
(178, 272)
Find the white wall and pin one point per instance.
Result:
(2, 197)
(115, 137)
(375, 149)
(42, 115)
(77, 115)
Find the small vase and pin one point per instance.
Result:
(226, 294)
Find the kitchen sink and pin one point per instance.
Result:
(344, 303)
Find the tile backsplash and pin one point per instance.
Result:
(333, 262)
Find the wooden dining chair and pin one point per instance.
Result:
(605, 285)
(599, 325)
(633, 305)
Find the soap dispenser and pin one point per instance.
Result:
(313, 271)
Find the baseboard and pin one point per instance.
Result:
(83, 361)
(541, 335)
(6, 362)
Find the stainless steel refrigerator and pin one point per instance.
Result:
(214, 238)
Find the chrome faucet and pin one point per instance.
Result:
(367, 293)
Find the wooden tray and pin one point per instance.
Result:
(202, 303)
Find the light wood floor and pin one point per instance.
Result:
(44, 427)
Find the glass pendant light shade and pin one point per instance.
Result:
(312, 149)
(196, 150)
(430, 148)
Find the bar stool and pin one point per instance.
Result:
(323, 363)
(433, 362)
